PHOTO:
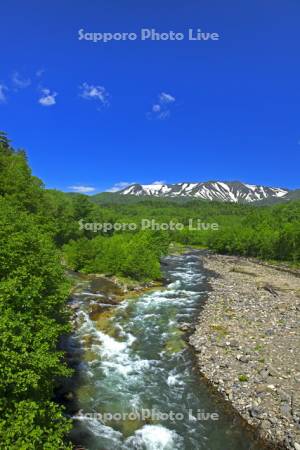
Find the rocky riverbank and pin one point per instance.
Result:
(247, 341)
(102, 290)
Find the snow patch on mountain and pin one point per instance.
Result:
(233, 191)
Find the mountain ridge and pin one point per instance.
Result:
(225, 191)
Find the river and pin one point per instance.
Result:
(137, 386)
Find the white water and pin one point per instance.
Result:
(146, 365)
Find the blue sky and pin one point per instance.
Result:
(97, 114)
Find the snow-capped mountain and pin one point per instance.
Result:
(233, 191)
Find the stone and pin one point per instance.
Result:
(233, 343)
(273, 372)
(256, 412)
(95, 309)
(230, 394)
(224, 365)
(265, 424)
(75, 305)
(273, 420)
(284, 397)
(285, 409)
(69, 396)
(245, 358)
(264, 373)
(269, 332)
(260, 388)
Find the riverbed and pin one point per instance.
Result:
(250, 325)
(137, 385)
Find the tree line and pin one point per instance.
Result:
(33, 316)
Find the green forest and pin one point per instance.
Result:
(41, 238)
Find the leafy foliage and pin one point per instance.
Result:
(268, 233)
(33, 292)
(136, 256)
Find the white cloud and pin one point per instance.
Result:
(164, 114)
(39, 72)
(161, 109)
(91, 92)
(19, 82)
(119, 186)
(3, 89)
(47, 98)
(82, 189)
(166, 98)
(158, 182)
(124, 184)
(156, 108)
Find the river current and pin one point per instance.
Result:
(137, 384)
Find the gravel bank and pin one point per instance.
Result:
(247, 341)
